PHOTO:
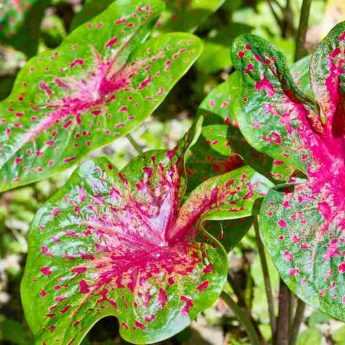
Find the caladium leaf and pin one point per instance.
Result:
(215, 153)
(300, 74)
(221, 146)
(303, 223)
(180, 15)
(273, 113)
(98, 85)
(124, 244)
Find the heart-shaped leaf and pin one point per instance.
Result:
(273, 113)
(98, 85)
(303, 223)
(124, 244)
(180, 15)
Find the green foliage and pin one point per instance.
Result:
(81, 96)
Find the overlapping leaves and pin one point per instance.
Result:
(98, 85)
(302, 223)
(125, 244)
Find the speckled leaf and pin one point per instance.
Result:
(303, 224)
(98, 85)
(327, 78)
(221, 146)
(273, 113)
(117, 244)
(214, 154)
(300, 74)
(187, 15)
(20, 22)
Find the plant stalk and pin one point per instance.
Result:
(244, 319)
(297, 321)
(302, 29)
(266, 276)
(136, 146)
(282, 332)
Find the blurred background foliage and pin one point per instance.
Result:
(44, 25)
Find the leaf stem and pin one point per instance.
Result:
(244, 319)
(136, 146)
(266, 276)
(297, 321)
(282, 334)
(302, 29)
(274, 13)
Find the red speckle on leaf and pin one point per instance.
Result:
(145, 83)
(45, 87)
(208, 268)
(18, 160)
(43, 293)
(84, 287)
(341, 267)
(188, 304)
(76, 62)
(162, 297)
(293, 272)
(282, 223)
(79, 269)
(203, 286)
(287, 256)
(265, 84)
(65, 309)
(111, 42)
(139, 324)
(46, 271)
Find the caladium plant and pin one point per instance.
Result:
(131, 244)
(181, 15)
(98, 85)
(302, 223)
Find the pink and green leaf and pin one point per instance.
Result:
(327, 79)
(126, 244)
(221, 146)
(274, 115)
(103, 246)
(97, 86)
(303, 223)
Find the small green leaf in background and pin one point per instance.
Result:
(14, 332)
(90, 9)
(187, 15)
(311, 336)
(20, 23)
(97, 86)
